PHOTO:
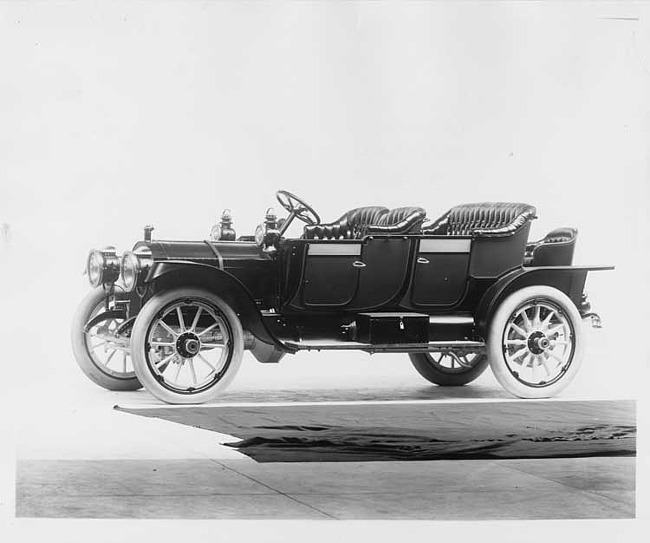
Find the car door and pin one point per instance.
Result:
(440, 271)
(383, 271)
(330, 274)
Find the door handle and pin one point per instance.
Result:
(359, 264)
(423, 260)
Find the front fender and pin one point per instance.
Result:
(175, 273)
(568, 279)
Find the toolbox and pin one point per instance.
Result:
(380, 328)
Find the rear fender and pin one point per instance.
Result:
(171, 274)
(568, 279)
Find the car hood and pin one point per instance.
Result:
(222, 254)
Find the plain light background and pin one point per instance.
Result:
(114, 115)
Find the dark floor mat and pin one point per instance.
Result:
(417, 430)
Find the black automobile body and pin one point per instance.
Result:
(457, 293)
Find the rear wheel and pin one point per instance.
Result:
(187, 345)
(102, 355)
(535, 343)
(449, 369)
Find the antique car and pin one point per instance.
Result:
(456, 294)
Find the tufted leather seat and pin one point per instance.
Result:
(554, 249)
(349, 226)
(486, 219)
(401, 220)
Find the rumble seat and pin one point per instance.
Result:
(485, 219)
(554, 249)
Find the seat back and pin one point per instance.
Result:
(401, 220)
(350, 225)
(554, 249)
(485, 219)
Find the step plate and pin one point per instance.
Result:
(332, 345)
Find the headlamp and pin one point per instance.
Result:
(260, 232)
(102, 266)
(129, 270)
(134, 266)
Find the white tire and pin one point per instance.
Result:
(535, 342)
(102, 356)
(441, 368)
(187, 346)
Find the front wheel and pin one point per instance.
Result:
(535, 342)
(102, 354)
(449, 369)
(187, 345)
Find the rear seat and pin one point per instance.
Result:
(484, 219)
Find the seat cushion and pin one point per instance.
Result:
(349, 226)
(482, 219)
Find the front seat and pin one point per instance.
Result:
(350, 225)
(401, 220)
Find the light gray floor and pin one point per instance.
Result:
(79, 458)
(580, 488)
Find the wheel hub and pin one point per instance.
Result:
(188, 345)
(538, 342)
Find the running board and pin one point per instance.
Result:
(334, 345)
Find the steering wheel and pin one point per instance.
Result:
(296, 208)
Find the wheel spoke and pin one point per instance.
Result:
(554, 328)
(521, 359)
(162, 344)
(547, 320)
(516, 354)
(536, 316)
(519, 354)
(213, 345)
(181, 322)
(191, 364)
(544, 361)
(196, 319)
(555, 342)
(516, 342)
(123, 361)
(108, 358)
(527, 323)
(164, 362)
(556, 357)
(519, 330)
(202, 358)
(178, 371)
(208, 329)
(166, 327)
